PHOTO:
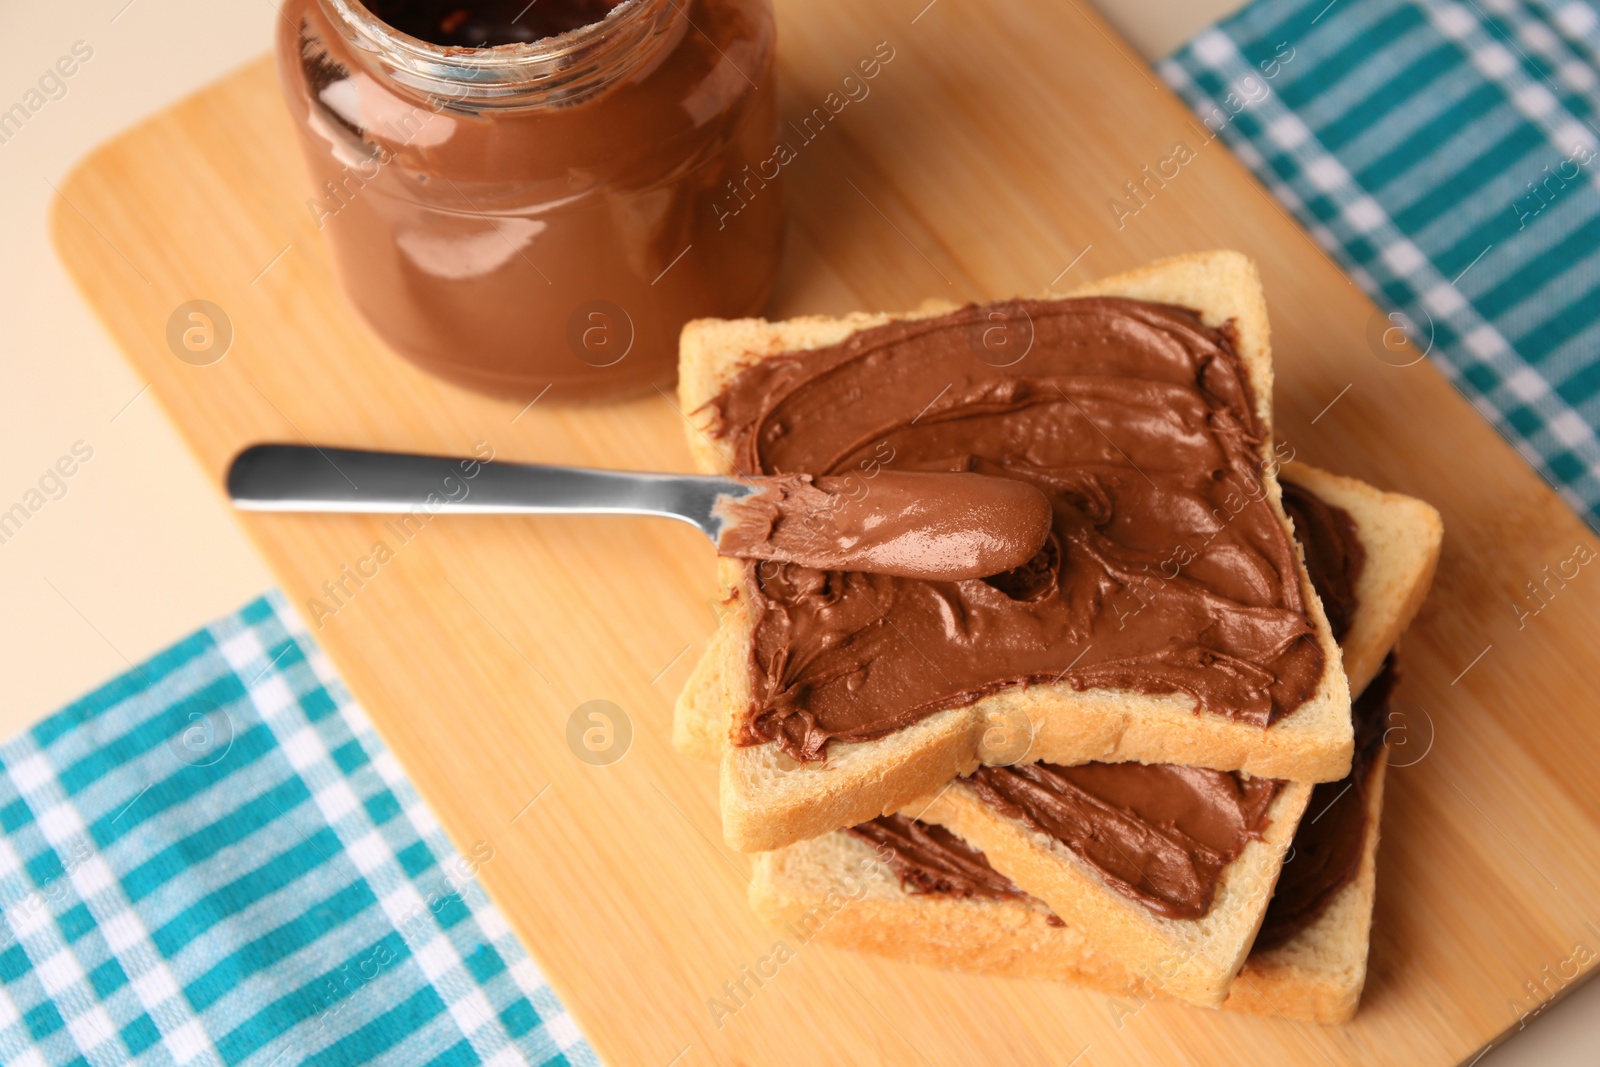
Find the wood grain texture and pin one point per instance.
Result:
(981, 165)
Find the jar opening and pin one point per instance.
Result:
(488, 23)
(426, 45)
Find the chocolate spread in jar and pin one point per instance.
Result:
(941, 527)
(541, 211)
(1166, 571)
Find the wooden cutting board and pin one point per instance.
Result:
(982, 165)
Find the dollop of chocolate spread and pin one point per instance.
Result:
(940, 527)
(1153, 831)
(1166, 570)
(1334, 556)
(930, 859)
(1158, 834)
(1330, 840)
(487, 23)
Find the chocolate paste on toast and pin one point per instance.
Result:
(931, 859)
(1334, 556)
(1159, 834)
(1166, 572)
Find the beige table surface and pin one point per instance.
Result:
(139, 551)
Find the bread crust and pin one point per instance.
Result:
(768, 800)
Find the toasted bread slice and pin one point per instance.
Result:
(837, 891)
(1190, 959)
(834, 889)
(1316, 975)
(769, 800)
(1402, 536)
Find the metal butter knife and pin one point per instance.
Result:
(307, 478)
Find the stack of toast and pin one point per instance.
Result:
(1139, 839)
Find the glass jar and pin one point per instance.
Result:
(548, 212)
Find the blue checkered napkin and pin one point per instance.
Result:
(1448, 156)
(214, 859)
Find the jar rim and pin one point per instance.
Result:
(560, 69)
